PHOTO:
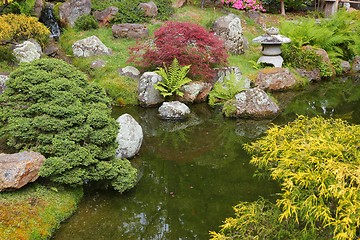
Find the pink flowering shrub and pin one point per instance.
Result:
(245, 4)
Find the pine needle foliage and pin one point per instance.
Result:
(317, 163)
(173, 78)
(49, 107)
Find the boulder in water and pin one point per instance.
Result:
(129, 137)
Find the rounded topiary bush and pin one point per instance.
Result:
(86, 22)
(49, 107)
(189, 43)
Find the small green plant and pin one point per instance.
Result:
(224, 91)
(173, 78)
(86, 22)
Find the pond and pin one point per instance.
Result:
(193, 172)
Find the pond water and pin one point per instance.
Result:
(193, 172)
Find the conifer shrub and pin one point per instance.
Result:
(189, 43)
(17, 28)
(49, 107)
(86, 22)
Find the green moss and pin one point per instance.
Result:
(35, 211)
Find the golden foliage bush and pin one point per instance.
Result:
(317, 163)
(18, 27)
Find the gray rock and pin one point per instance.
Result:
(105, 16)
(97, 64)
(148, 95)
(252, 103)
(178, 3)
(38, 7)
(150, 9)
(311, 75)
(130, 30)
(174, 110)
(345, 66)
(129, 137)
(229, 29)
(356, 64)
(72, 9)
(130, 71)
(276, 79)
(224, 74)
(195, 91)
(90, 46)
(26, 52)
(51, 50)
(16, 170)
(3, 79)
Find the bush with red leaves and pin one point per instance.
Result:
(191, 44)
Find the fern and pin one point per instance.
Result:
(173, 78)
(224, 91)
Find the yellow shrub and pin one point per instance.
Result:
(15, 27)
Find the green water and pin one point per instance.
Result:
(192, 173)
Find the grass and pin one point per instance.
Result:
(35, 211)
(124, 90)
(121, 89)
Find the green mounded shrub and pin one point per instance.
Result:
(17, 28)
(317, 163)
(50, 107)
(86, 22)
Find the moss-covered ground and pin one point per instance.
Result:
(36, 211)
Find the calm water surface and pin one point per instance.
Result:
(193, 172)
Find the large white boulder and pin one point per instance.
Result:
(148, 95)
(174, 110)
(27, 52)
(90, 46)
(129, 137)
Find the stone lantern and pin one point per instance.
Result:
(271, 43)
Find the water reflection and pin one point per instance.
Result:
(193, 175)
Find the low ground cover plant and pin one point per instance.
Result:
(50, 107)
(189, 43)
(35, 211)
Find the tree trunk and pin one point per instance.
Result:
(282, 6)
